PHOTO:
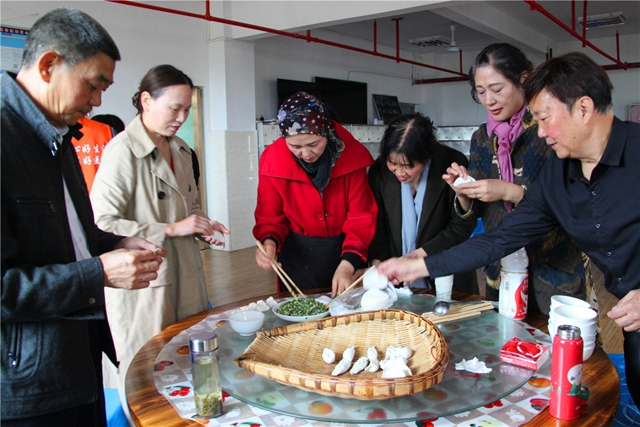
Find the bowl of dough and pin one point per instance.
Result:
(376, 293)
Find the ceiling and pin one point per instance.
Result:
(478, 24)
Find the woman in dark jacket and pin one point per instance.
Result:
(416, 213)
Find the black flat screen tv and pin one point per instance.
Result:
(346, 100)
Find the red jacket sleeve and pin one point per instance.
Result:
(362, 214)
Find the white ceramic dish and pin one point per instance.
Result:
(560, 300)
(587, 351)
(246, 323)
(297, 319)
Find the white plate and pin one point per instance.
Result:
(297, 318)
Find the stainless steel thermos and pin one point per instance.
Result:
(205, 373)
(565, 398)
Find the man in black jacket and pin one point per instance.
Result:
(55, 261)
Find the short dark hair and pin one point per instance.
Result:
(116, 124)
(157, 80)
(73, 34)
(569, 77)
(507, 59)
(411, 136)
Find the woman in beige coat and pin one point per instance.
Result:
(145, 187)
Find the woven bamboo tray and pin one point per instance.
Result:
(292, 355)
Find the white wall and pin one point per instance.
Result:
(626, 83)
(145, 38)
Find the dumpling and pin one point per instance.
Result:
(405, 352)
(349, 353)
(394, 368)
(373, 366)
(341, 367)
(372, 353)
(271, 302)
(374, 299)
(359, 365)
(328, 355)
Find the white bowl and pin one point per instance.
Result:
(560, 300)
(297, 318)
(246, 323)
(588, 334)
(574, 315)
(587, 351)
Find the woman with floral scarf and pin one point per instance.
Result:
(315, 208)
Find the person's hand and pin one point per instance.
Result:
(415, 254)
(400, 270)
(454, 172)
(142, 244)
(130, 268)
(264, 261)
(490, 190)
(342, 278)
(211, 239)
(194, 224)
(627, 312)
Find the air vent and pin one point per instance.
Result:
(604, 20)
(433, 41)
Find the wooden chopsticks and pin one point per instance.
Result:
(281, 273)
(459, 312)
(358, 280)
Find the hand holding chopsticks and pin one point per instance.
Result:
(284, 277)
(358, 280)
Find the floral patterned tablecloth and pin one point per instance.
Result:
(172, 377)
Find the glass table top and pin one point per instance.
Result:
(480, 336)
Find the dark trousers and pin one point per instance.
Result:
(632, 364)
(92, 414)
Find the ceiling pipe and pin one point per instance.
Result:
(308, 38)
(375, 36)
(584, 22)
(397, 37)
(535, 6)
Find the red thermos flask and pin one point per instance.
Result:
(566, 373)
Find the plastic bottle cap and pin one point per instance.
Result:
(569, 332)
(203, 341)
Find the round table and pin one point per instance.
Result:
(149, 408)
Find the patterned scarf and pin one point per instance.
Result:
(507, 132)
(304, 114)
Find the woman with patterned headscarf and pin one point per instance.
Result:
(315, 208)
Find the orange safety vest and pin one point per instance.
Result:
(89, 147)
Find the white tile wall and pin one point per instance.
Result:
(235, 184)
(458, 137)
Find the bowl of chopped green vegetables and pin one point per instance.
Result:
(301, 309)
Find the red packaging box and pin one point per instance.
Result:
(525, 354)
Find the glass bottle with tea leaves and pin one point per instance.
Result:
(205, 373)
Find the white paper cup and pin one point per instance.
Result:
(444, 286)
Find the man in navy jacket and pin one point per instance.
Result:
(591, 189)
(55, 261)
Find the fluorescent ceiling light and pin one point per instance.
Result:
(433, 41)
(604, 20)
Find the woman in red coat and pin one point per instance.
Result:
(315, 208)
